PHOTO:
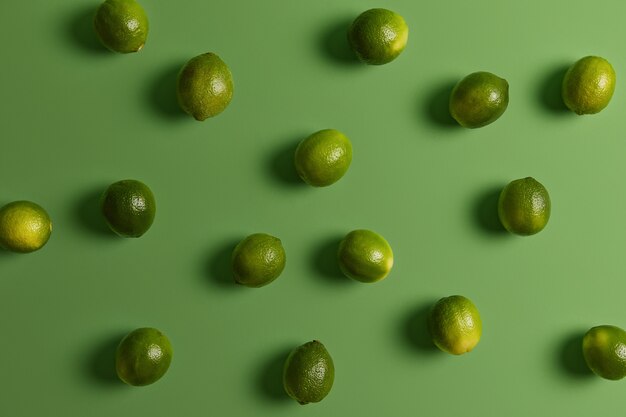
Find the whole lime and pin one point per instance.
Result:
(121, 25)
(258, 260)
(365, 256)
(604, 349)
(128, 207)
(24, 226)
(479, 99)
(205, 86)
(323, 158)
(309, 373)
(588, 85)
(378, 36)
(143, 356)
(455, 324)
(524, 206)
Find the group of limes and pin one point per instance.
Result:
(205, 88)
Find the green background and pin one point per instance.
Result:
(76, 118)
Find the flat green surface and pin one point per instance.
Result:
(76, 118)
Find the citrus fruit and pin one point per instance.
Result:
(604, 349)
(129, 207)
(588, 85)
(24, 226)
(479, 99)
(121, 25)
(365, 256)
(378, 36)
(258, 260)
(323, 158)
(143, 356)
(309, 373)
(524, 206)
(454, 324)
(205, 86)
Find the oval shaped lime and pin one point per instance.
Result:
(143, 356)
(258, 260)
(455, 324)
(524, 206)
(365, 256)
(323, 158)
(205, 86)
(378, 36)
(24, 226)
(604, 349)
(121, 25)
(129, 208)
(588, 85)
(479, 99)
(309, 373)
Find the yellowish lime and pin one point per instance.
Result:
(455, 325)
(323, 158)
(524, 206)
(24, 226)
(365, 256)
(588, 85)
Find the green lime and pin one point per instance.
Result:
(604, 349)
(588, 85)
(121, 25)
(143, 356)
(378, 36)
(454, 324)
(479, 99)
(205, 86)
(323, 158)
(524, 206)
(365, 256)
(258, 260)
(24, 226)
(129, 208)
(309, 373)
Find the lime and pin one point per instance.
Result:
(455, 325)
(524, 206)
(129, 208)
(121, 25)
(24, 226)
(205, 86)
(604, 349)
(309, 373)
(588, 85)
(258, 260)
(365, 256)
(323, 158)
(378, 36)
(143, 356)
(479, 99)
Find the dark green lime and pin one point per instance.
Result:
(258, 260)
(309, 373)
(121, 25)
(129, 208)
(143, 356)
(604, 349)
